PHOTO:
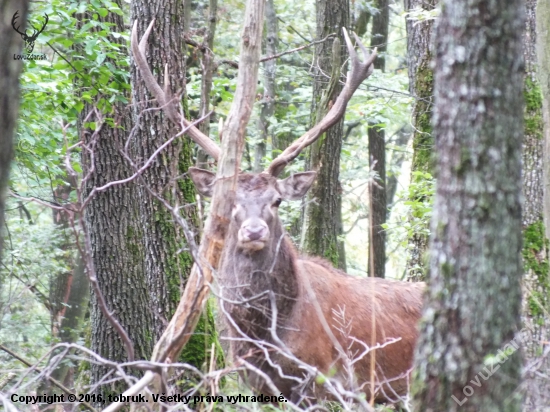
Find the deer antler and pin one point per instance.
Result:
(14, 22)
(38, 31)
(24, 34)
(164, 98)
(358, 73)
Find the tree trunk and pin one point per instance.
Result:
(472, 310)
(69, 290)
(377, 155)
(543, 55)
(113, 223)
(268, 98)
(323, 214)
(419, 52)
(398, 157)
(208, 67)
(168, 260)
(9, 97)
(536, 283)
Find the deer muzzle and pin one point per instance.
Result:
(253, 234)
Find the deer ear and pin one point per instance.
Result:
(203, 180)
(296, 186)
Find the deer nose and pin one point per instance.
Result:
(254, 233)
(254, 230)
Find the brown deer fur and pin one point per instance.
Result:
(310, 296)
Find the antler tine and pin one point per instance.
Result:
(143, 43)
(351, 49)
(363, 48)
(14, 22)
(163, 97)
(139, 50)
(43, 26)
(359, 71)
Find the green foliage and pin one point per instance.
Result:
(31, 258)
(533, 108)
(418, 14)
(414, 220)
(535, 259)
(79, 70)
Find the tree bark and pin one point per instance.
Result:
(322, 224)
(472, 311)
(377, 155)
(9, 95)
(419, 53)
(113, 222)
(536, 284)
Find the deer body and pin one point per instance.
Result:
(281, 305)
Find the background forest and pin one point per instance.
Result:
(79, 294)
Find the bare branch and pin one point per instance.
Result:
(358, 73)
(52, 380)
(305, 46)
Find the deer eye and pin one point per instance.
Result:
(277, 203)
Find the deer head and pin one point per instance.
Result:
(255, 210)
(29, 40)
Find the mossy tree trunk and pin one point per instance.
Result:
(168, 260)
(377, 154)
(468, 356)
(9, 99)
(208, 67)
(113, 223)
(536, 283)
(419, 53)
(323, 216)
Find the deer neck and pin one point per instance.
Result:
(256, 279)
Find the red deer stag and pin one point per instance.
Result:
(287, 311)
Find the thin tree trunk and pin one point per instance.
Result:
(208, 67)
(71, 318)
(543, 55)
(398, 157)
(113, 222)
(472, 311)
(323, 214)
(9, 92)
(69, 290)
(268, 98)
(419, 53)
(377, 155)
